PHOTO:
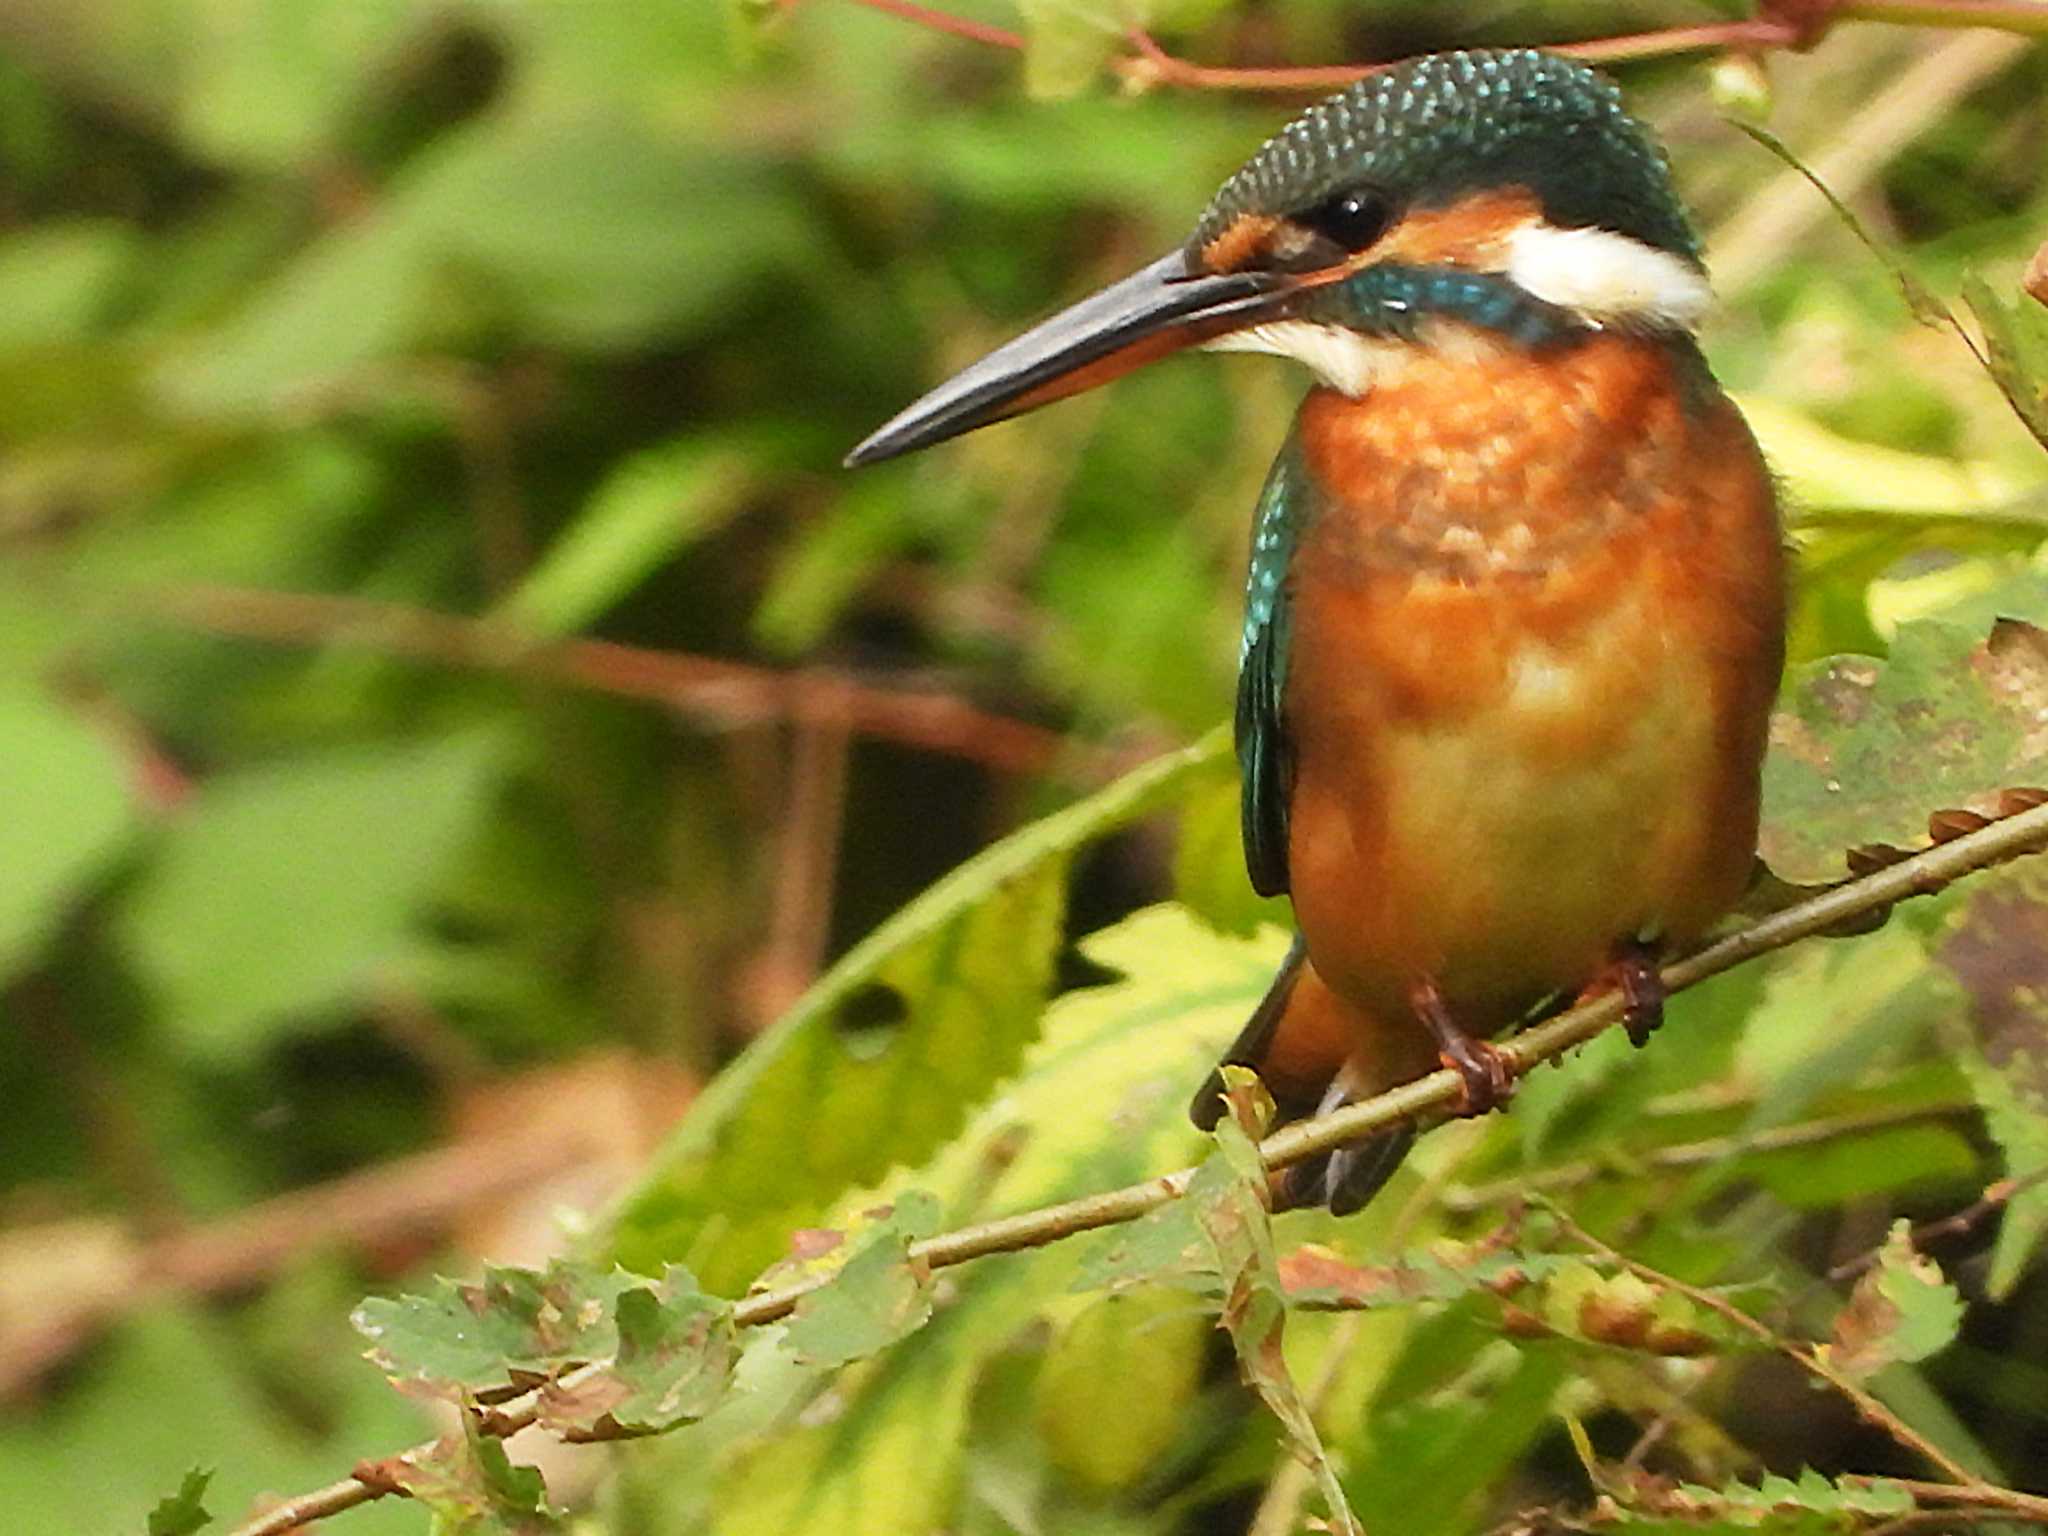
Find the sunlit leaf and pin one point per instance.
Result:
(1117, 1059)
(1092, 1425)
(885, 1057)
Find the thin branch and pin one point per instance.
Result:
(1705, 1153)
(945, 21)
(703, 687)
(1794, 24)
(1428, 1096)
(1807, 1358)
(1996, 1197)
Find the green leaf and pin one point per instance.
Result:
(1208, 865)
(1901, 1312)
(1862, 750)
(72, 812)
(1810, 1505)
(464, 1338)
(470, 1487)
(2016, 351)
(182, 1513)
(59, 276)
(882, 1060)
(1228, 1197)
(1099, 1101)
(274, 81)
(1067, 42)
(656, 503)
(506, 206)
(1996, 946)
(279, 890)
(674, 1360)
(878, 1295)
(1094, 1427)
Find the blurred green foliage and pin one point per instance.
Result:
(558, 316)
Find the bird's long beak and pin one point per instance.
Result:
(1156, 311)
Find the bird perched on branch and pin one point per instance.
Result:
(1514, 619)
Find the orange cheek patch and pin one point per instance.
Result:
(1462, 235)
(1238, 246)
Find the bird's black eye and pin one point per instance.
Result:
(1351, 218)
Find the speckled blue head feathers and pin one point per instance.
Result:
(1436, 129)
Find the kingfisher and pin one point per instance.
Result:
(1514, 618)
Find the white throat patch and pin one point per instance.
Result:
(1336, 355)
(1606, 277)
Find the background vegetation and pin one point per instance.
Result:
(452, 703)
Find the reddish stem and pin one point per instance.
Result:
(945, 21)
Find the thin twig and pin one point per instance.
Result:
(1995, 1198)
(1705, 1153)
(1796, 24)
(704, 687)
(1807, 1358)
(1428, 1096)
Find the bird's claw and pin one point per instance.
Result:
(1642, 994)
(1483, 1070)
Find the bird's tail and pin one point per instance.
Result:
(1307, 1047)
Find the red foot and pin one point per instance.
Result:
(1635, 974)
(1483, 1069)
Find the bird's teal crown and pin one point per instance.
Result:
(1432, 130)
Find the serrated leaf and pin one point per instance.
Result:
(1228, 1197)
(1862, 750)
(1997, 948)
(1315, 1276)
(879, 1295)
(182, 1513)
(880, 1063)
(1901, 1312)
(1098, 1102)
(1809, 1505)
(469, 1337)
(471, 1487)
(671, 1363)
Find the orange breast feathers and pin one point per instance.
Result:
(1538, 624)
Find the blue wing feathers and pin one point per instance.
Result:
(1262, 748)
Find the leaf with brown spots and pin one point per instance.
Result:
(1902, 1311)
(1862, 751)
(1228, 1197)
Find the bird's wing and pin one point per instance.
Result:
(1264, 757)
